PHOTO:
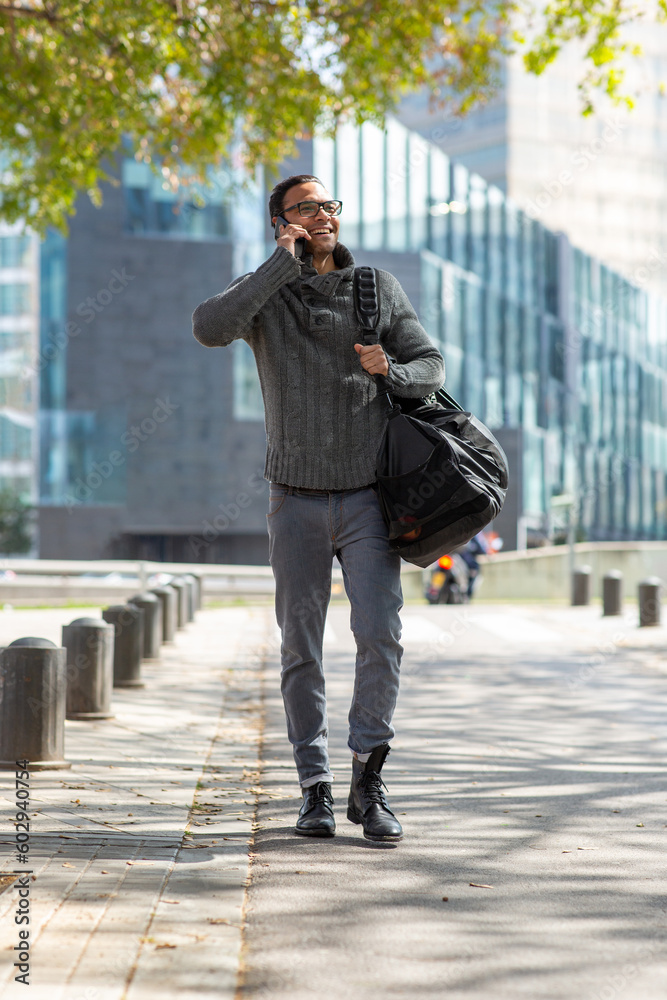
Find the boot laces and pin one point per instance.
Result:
(322, 793)
(372, 784)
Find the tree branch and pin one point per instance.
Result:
(28, 12)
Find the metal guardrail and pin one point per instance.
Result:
(54, 581)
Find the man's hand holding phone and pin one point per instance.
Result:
(288, 234)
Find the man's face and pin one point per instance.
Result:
(312, 191)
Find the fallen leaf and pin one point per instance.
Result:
(165, 945)
(66, 864)
(639, 824)
(103, 872)
(586, 848)
(219, 920)
(566, 852)
(445, 899)
(172, 902)
(480, 885)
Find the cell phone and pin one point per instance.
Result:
(299, 245)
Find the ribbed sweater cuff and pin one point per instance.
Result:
(280, 267)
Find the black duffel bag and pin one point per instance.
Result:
(441, 474)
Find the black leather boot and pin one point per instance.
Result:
(316, 818)
(367, 803)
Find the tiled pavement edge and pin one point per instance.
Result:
(139, 852)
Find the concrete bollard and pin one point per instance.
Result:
(581, 586)
(192, 595)
(33, 689)
(649, 601)
(181, 588)
(168, 598)
(89, 643)
(198, 590)
(152, 608)
(128, 647)
(612, 593)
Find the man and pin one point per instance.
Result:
(324, 420)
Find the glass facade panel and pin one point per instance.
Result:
(324, 163)
(438, 202)
(458, 215)
(478, 221)
(196, 212)
(496, 238)
(373, 175)
(14, 299)
(248, 403)
(348, 180)
(397, 185)
(75, 450)
(15, 250)
(417, 191)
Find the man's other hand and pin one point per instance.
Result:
(373, 359)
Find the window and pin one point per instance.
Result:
(196, 212)
(348, 182)
(417, 190)
(372, 187)
(14, 299)
(248, 403)
(15, 250)
(397, 185)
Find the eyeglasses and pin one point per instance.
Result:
(308, 209)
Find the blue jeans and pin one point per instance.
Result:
(307, 528)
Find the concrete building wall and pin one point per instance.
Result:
(163, 403)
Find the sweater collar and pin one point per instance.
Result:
(344, 262)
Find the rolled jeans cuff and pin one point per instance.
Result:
(317, 777)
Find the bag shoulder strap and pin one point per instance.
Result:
(368, 314)
(366, 302)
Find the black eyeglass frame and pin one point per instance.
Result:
(320, 204)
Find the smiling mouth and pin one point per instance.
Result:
(321, 232)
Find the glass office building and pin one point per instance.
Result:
(563, 358)
(539, 339)
(19, 289)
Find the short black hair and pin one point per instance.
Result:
(277, 196)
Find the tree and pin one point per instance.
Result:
(15, 523)
(194, 84)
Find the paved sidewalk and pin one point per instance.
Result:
(529, 772)
(140, 850)
(529, 758)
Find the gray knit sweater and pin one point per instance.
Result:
(323, 417)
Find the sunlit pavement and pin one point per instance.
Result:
(140, 850)
(528, 771)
